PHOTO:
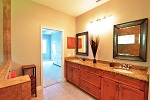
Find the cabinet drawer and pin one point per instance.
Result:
(72, 64)
(130, 81)
(95, 71)
(82, 67)
(93, 79)
(124, 80)
(109, 75)
(93, 90)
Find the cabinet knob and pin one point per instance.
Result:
(118, 87)
(88, 77)
(87, 88)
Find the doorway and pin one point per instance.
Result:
(51, 56)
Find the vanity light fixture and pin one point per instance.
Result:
(100, 19)
(98, 0)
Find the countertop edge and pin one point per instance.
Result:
(146, 79)
(14, 81)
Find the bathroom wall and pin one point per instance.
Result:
(119, 11)
(27, 18)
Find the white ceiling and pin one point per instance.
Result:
(71, 7)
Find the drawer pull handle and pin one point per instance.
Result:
(88, 77)
(87, 88)
(94, 71)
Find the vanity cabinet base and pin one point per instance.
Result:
(105, 85)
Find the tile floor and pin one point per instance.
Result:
(62, 91)
(51, 73)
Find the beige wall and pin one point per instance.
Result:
(121, 11)
(27, 18)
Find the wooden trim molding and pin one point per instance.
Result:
(7, 30)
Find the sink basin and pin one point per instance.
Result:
(123, 71)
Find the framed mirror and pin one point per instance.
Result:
(82, 44)
(130, 40)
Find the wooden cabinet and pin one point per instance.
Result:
(75, 76)
(118, 87)
(69, 74)
(105, 85)
(109, 89)
(31, 71)
(72, 73)
(89, 80)
(129, 93)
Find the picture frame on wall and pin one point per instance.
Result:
(71, 43)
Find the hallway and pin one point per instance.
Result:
(51, 73)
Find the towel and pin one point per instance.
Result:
(13, 74)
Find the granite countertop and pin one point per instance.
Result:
(5, 81)
(14, 81)
(137, 74)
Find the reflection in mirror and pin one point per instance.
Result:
(82, 44)
(1, 31)
(130, 40)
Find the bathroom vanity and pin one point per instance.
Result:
(105, 83)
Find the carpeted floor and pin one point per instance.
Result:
(51, 73)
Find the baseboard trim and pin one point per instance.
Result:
(39, 88)
(64, 79)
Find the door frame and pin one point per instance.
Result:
(62, 54)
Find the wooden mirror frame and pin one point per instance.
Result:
(143, 38)
(86, 51)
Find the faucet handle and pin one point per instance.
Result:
(123, 65)
(129, 65)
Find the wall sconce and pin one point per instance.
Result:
(99, 26)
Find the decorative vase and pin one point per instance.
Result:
(94, 45)
(94, 60)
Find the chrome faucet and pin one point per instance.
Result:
(125, 66)
(80, 58)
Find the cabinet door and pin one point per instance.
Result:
(75, 76)
(129, 93)
(109, 89)
(69, 73)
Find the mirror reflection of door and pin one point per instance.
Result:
(82, 43)
(129, 41)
